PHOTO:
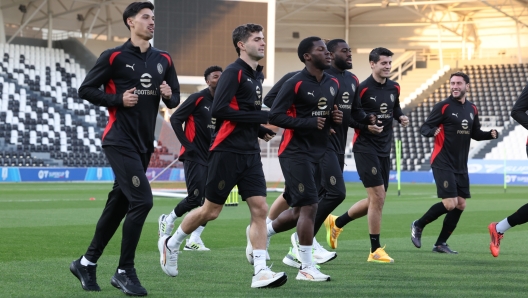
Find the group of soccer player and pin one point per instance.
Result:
(219, 128)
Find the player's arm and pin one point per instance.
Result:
(359, 117)
(478, 134)
(279, 113)
(224, 95)
(171, 99)
(263, 131)
(180, 116)
(432, 123)
(397, 112)
(272, 94)
(100, 75)
(520, 107)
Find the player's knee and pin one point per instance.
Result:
(449, 204)
(461, 205)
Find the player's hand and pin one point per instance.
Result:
(268, 137)
(337, 115)
(166, 91)
(320, 122)
(373, 118)
(375, 129)
(494, 133)
(404, 120)
(129, 98)
(332, 131)
(437, 131)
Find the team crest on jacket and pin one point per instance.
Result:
(471, 116)
(160, 68)
(353, 88)
(392, 97)
(332, 91)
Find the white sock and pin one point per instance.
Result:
(85, 262)
(195, 236)
(171, 218)
(315, 242)
(503, 226)
(270, 229)
(268, 220)
(176, 240)
(259, 259)
(305, 255)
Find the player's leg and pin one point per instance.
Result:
(280, 204)
(136, 188)
(252, 188)
(497, 230)
(447, 190)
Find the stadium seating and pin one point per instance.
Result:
(493, 88)
(513, 146)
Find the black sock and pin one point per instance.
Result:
(519, 217)
(431, 215)
(450, 223)
(374, 242)
(342, 220)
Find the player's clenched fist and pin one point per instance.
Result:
(166, 91)
(337, 115)
(129, 98)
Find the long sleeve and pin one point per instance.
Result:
(397, 111)
(477, 133)
(172, 80)
(180, 116)
(224, 105)
(281, 115)
(520, 107)
(272, 94)
(263, 131)
(100, 74)
(432, 122)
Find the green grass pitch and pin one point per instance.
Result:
(43, 227)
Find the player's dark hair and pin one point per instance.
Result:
(212, 69)
(332, 45)
(375, 54)
(460, 74)
(305, 46)
(133, 9)
(243, 32)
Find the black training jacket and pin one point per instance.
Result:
(237, 110)
(384, 101)
(300, 101)
(348, 102)
(520, 107)
(123, 68)
(459, 123)
(195, 112)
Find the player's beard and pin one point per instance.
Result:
(342, 64)
(462, 93)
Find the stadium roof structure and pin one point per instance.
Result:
(460, 17)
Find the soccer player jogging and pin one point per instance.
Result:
(134, 75)
(234, 157)
(520, 217)
(195, 112)
(372, 145)
(332, 191)
(453, 122)
(305, 108)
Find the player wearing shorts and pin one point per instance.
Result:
(520, 217)
(372, 145)
(453, 122)
(234, 157)
(305, 107)
(195, 112)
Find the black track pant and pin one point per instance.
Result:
(130, 198)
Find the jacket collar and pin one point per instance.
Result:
(130, 46)
(246, 66)
(311, 77)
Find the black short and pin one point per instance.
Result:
(195, 178)
(227, 169)
(302, 181)
(373, 170)
(451, 185)
(332, 182)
